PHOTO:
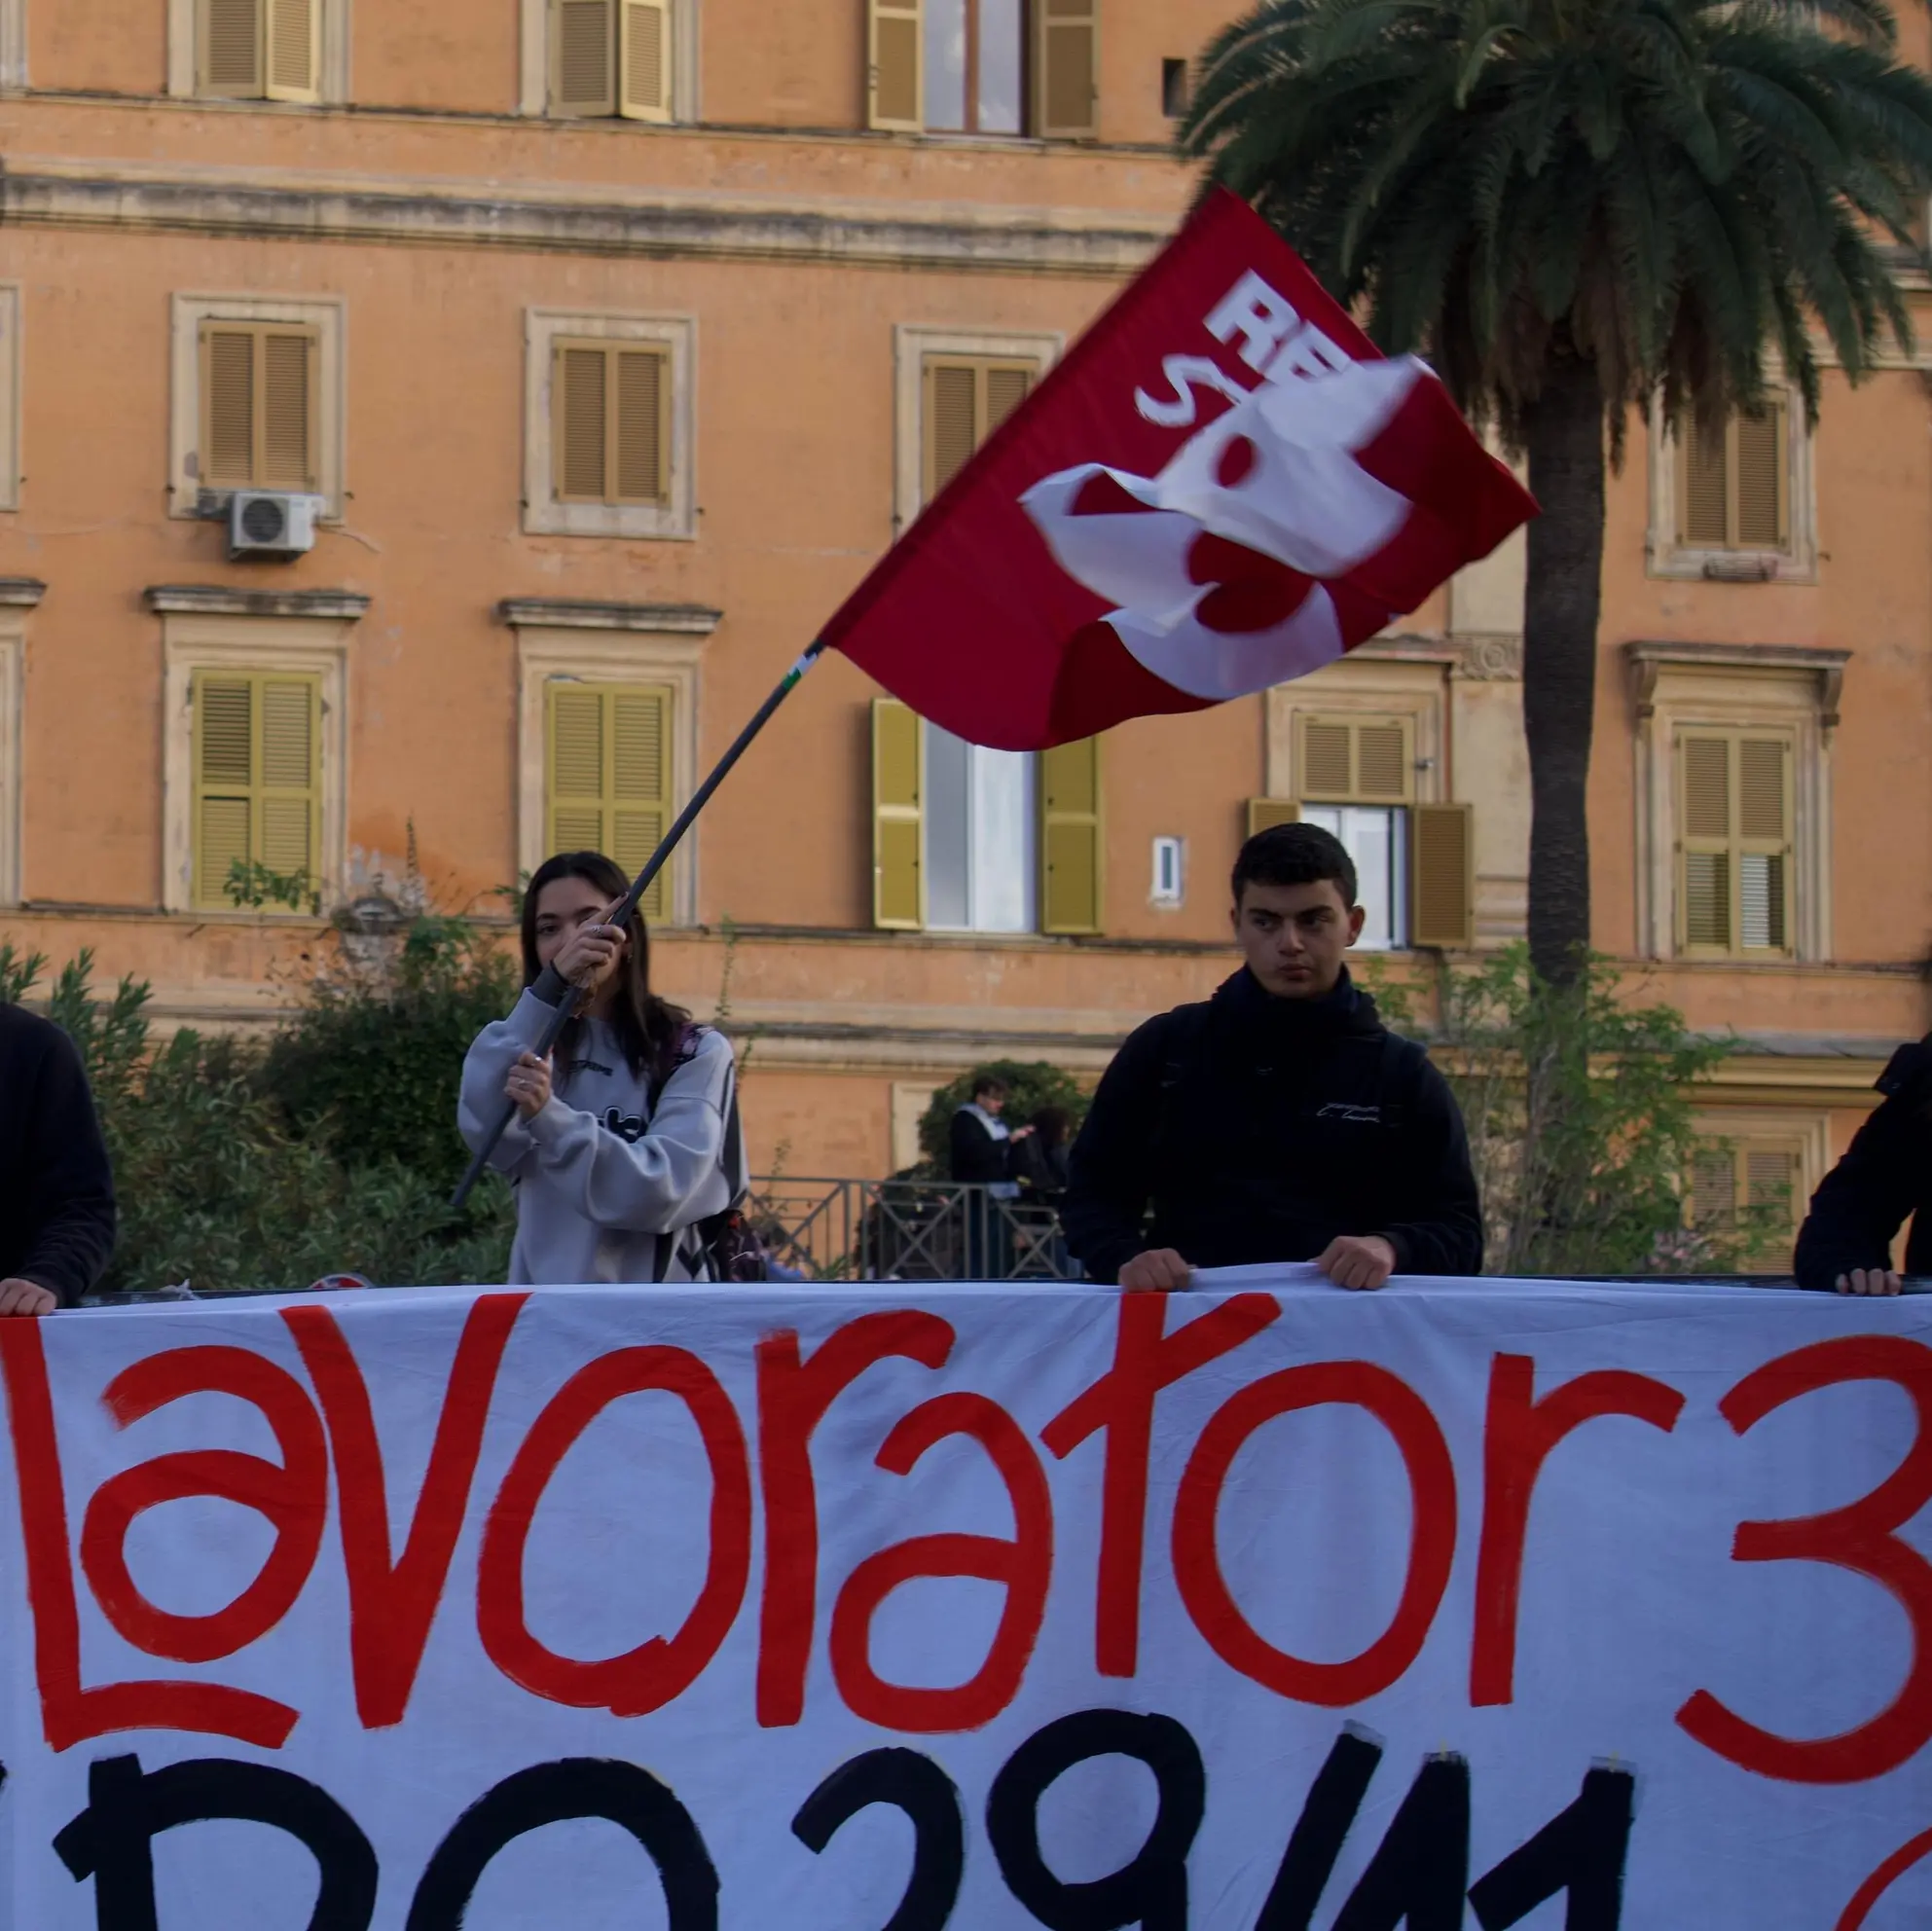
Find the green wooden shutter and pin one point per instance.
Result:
(579, 425)
(895, 78)
(257, 754)
(583, 57)
(293, 65)
(1072, 859)
(230, 47)
(639, 724)
(639, 437)
(1442, 876)
(607, 775)
(1763, 844)
(643, 60)
(1066, 68)
(287, 388)
(1704, 843)
(228, 406)
(1759, 480)
(899, 896)
(1263, 813)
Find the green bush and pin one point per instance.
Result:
(223, 1182)
(1030, 1085)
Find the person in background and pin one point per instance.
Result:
(1281, 1120)
(1845, 1244)
(56, 1190)
(981, 1148)
(1040, 1161)
(623, 1143)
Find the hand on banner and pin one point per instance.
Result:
(529, 1085)
(28, 1298)
(1158, 1271)
(1869, 1281)
(1351, 1261)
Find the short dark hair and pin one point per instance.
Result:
(1295, 855)
(988, 1083)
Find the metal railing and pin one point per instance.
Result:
(906, 1231)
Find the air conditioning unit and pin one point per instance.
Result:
(271, 523)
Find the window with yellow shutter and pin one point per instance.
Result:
(983, 66)
(1734, 822)
(256, 756)
(1414, 862)
(607, 775)
(964, 399)
(611, 423)
(260, 49)
(259, 406)
(1749, 1190)
(1734, 482)
(611, 59)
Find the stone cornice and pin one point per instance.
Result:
(572, 614)
(1648, 655)
(47, 190)
(21, 593)
(220, 599)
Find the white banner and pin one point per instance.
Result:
(1263, 1608)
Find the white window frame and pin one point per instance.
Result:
(1812, 1130)
(543, 515)
(912, 344)
(12, 358)
(328, 317)
(533, 76)
(332, 82)
(1168, 850)
(1787, 691)
(1667, 557)
(551, 651)
(191, 642)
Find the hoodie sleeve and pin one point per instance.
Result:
(486, 1068)
(1108, 1176)
(1440, 1229)
(669, 1177)
(1864, 1200)
(72, 1184)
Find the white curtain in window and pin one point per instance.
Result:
(1373, 836)
(979, 837)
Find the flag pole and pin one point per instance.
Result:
(549, 986)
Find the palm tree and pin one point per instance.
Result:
(1571, 205)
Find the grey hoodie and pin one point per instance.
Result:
(597, 1187)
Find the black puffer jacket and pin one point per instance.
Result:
(1886, 1174)
(1259, 1129)
(56, 1193)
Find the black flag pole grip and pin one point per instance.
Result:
(551, 988)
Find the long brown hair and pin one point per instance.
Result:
(651, 1030)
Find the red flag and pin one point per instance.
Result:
(1223, 485)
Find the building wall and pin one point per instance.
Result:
(438, 213)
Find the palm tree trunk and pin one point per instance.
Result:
(1563, 437)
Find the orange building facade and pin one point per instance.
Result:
(607, 343)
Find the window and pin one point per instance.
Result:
(1168, 884)
(257, 399)
(608, 735)
(610, 426)
(1734, 872)
(1733, 501)
(259, 49)
(1174, 88)
(952, 391)
(608, 422)
(965, 398)
(611, 58)
(983, 66)
(1750, 1190)
(967, 839)
(607, 775)
(18, 597)
(257, 804)
(259, 405)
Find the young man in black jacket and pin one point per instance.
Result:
(1846, 1243)
(56, 1193)
(1281, 1120)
